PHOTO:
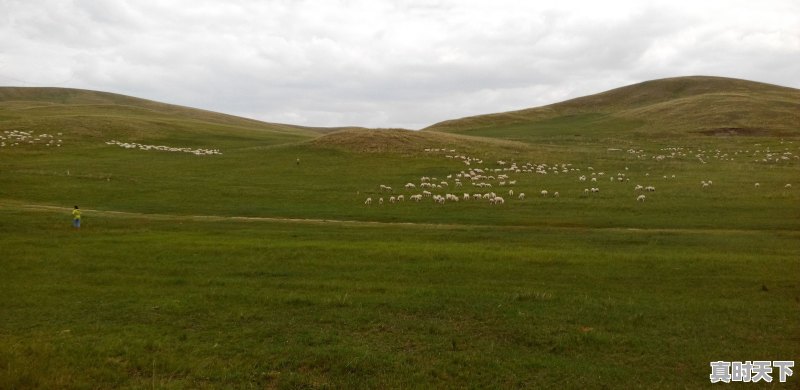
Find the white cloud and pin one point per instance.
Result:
(387, 63)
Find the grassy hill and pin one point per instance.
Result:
(665, 108)
(90, 115)
(253, 269)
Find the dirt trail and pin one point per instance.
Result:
(14, 205)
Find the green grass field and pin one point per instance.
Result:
(248, 270)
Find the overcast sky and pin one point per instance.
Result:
(383, 63)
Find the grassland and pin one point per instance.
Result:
(247, 269)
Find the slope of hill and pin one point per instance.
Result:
(673, 106)
(96, 114)
(405, 141)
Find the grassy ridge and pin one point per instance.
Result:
(666, 108)
(91, 115)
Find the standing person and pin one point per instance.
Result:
(76, 218)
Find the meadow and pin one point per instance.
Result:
(249, 270)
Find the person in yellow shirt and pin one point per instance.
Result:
(76, 217)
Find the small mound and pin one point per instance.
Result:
(405, 141)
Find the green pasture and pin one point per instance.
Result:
(251, 270)
(140, 302)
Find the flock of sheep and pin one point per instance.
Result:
(134, 145)
(12, 138)
(486, 181)
(758, 154)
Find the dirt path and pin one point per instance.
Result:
(15, 205)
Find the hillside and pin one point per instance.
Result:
(103, 115)
(406, 141)
(673, 106)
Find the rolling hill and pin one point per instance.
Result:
(670, 107)
(94, 114)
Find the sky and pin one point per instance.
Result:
(388, 64)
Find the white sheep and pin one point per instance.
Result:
(638, 188)
(640, 198)
(544, 192)
(787, 185)
(758, 185)
(521, 196)
(380, 200)
(392, 199)
(585, 190)
(401, 198)
(510, 192)
(555, 194)
(368, 201)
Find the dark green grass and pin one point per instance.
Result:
(131, 302)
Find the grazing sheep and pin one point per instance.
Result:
(640, 198)
(555, 194)
(410, 185)
(477, 196)
(368, 201)
(401, 198)
(521, 196)
(595, 190)
(758, 185)
(416, 198)
(510, 192)
(787, 185)
(499, 200)
(380, 200)
(426, 193)
(650, 189)
(392, 199)
(585, 190)
(638, 188)
(544, 192)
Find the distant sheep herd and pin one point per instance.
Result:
(19, 138)
(485, 178)
(134, 145)
(13, 138)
